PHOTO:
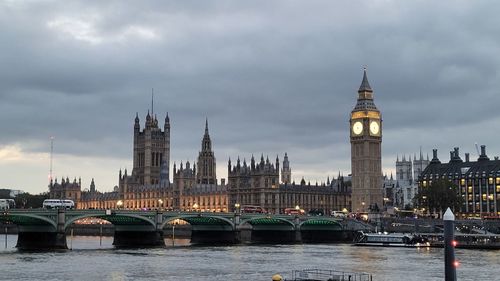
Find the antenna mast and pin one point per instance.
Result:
(51, 156)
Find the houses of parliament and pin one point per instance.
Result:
(195, 186)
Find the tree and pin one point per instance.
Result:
(5, 193)
(438, 196)
(26, 200)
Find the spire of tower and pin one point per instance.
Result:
(421, 155)
(152, 100)
(365, 86)
(206, 126)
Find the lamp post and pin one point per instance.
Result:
(386, 200)
(237, 208)
(119, 204)
(297, 208)
(195, 207)
(160, 204)
(363, 204)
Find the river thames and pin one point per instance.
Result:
(88, 260)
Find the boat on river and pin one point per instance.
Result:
(466, 241)
(391, 240)
(328, 275)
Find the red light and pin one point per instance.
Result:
(456, 263)
(454, 243)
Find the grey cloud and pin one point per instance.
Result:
(270, 76)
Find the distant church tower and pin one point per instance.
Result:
(404, 174)
(286, 172)
(151, 151)
(366, 143)
(206, 161)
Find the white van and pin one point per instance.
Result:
(4, 204)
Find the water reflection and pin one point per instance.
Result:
(91, 261)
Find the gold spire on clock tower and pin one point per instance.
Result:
(366, 153)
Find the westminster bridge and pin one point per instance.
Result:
(46, 229)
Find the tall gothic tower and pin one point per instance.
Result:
(286, 172)
(206, 161)
(366, 143)
(151, 151)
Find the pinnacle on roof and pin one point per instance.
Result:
(206, 126)
(365, 86)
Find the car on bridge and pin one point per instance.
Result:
(294, 211)
(252, 209)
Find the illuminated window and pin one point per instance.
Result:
(424, 183)
(462, 181)
(490, 181)
(498, 180)
(484, 197)
(469, 189)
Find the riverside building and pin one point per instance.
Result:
(257, 184)
(149, 187)
(478, 181)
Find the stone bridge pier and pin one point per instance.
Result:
(208, 229)
(147, 235)
(46, 236)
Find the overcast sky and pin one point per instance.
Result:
(270, 76)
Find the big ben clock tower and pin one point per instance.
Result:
(366, 144)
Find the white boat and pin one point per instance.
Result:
(391, 240)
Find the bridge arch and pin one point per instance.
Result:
(115, 219)
(197, 219)
(21, 219)
(321, 222)
(268, 220)
(326, 221)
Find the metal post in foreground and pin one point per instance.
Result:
(173, 234)
(71, 242)
(450, 273)
(5, 237)
(100, 234)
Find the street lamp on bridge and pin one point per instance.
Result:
(160, 203)
(119, 204)
(195, 207)
(237, 207)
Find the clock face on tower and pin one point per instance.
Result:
(357, 128)
(374, 128)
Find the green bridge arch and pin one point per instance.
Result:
(200, 220)
(115, 219)
(268, 221)
(28, 219)
(321, 223)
